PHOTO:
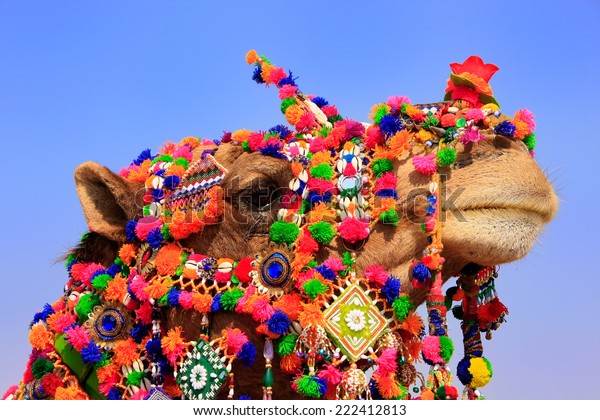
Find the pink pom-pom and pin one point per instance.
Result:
(321, 186)
(137, 286)
(431, 349)
(387, 181)
(140, 395)
(222, 277)
(526, 116)
(395, 102)
(353, 129)
(276, 75)
(305, 275)
(425, 164)
(124, 172)
(256, 140)
(10, 392)
(83, 272)
(234, 339)
(307, 121)
(287, 91)
(331, 374)
(353, 230)
(329, 110)
(387, 362)
(262, 309)
(472, 135)
(475, 114)
(293, 151)
(185, 300)
(184, 152)
(335, 264)
(144, 313)
(145, 225)
(241, 303)
(77, 337)
(430, 222)
(373, 137)
(317, 144)
(64, 321)
(376, 275)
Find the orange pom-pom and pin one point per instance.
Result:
(173, 345)
(291, 363)
(290, 305)
(125, 352)
(388, 387)
(251, 57)
(127, 253)
(116, 289)
(158, 287)
(311, 315)
(168, 259)
(294, 114)
(39, 337)
(427, 394)
(201, 302)
(70, 393)
(263, 329)
(241, 135)
(191, 141)
(297, 167)
(140, 173)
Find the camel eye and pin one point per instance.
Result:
(262, 199)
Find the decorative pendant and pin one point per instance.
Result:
(157, 394)
(354, 385)
(109, 323)
(202, 374)
(273, 270)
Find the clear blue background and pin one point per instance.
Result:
(103, 80)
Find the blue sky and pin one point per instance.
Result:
(103, 80)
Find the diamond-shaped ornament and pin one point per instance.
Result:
(202, 374)
(353, 322)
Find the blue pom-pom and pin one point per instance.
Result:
(326, 272)
(273, 149)
(171, 182)
(462, 371)
(505, 128)
(314, 198)
(322, 384)
(390, 125)
(157, 194)
(145, 155)
(421, 273)
(173, 297)
(43, 314)
(113, 270)
(91, 353)
(279, 322)
(155, 238)
(139, 332)
(281, 129)
(130, 231)
(387, 192)
(256, 76)
(247, 354)
(374, 390)
(244, 397)
(154, 346)
(114, 394)
(391, 288)
(320, 102)
(290, 80)
(215, 306)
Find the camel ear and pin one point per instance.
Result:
(108, 200)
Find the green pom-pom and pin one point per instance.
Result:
(246, 146)
(70, 260)
(286, 103)
(379, 114)
(314, 287)
(287, 344)
(230, 298)
(403, 108)
(165, 233)
(162, 158)
(458, 312)
(284, 232)
(40, 367)
(324, 131)
(322, 171)
(446, 348)
(530, 141)
(309, 387)
(86, 305)
(335, 118)
(105, 360)
(446, 157)
(182, 162)
(322, 232)
(135, 378)
(380, 166)
(304, 207)
(402, 306)
(430, 122)
(164, 300)
(312, 264)
(450, 133)
(101, 281)
(389, 217)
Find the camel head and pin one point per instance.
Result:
(289, 222)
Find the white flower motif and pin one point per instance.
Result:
(198, 377)
(355, 319)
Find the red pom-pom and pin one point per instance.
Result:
(353, 230)
(222, 277)
(243, 269)
(255, 140)
(374, 137)
(307, 245)
(50, 383)
(376, 275)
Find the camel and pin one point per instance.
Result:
(492, 203)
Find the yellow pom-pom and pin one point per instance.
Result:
(480, 371)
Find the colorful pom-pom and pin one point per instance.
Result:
(425, 164)
(284, 232)
(446, 157)
(314, 288)
(474, 372)
(402, 305)
(322, 232)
